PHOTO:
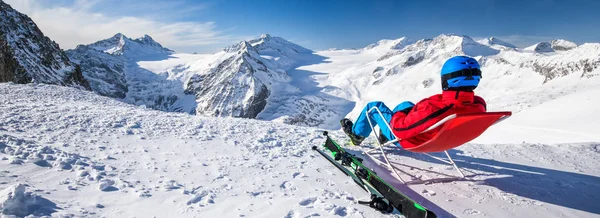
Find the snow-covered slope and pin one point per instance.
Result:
(540, 47)
(280, 53)
(91, 156)
(29, 56)
(562, 45)
(550, 123)
(497, 43)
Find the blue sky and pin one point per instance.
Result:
(207, 26)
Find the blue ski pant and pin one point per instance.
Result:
(361, 125)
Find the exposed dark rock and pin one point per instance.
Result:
(105, 72)
(552, 71)
(26, 55)
(413, 61)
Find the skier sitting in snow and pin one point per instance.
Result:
(460, 76)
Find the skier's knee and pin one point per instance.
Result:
(374, 104)
(404, 107)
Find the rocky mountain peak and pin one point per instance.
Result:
(149, 41)
(241, 47)
(119, 44)
(540, 47)
(265, 36)
(562, 45)
(497, 43)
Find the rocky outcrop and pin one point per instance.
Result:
(541, 47)
(562, 45)
(26, 55)
(105, 72)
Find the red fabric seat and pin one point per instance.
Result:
(457, 131)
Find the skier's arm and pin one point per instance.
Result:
(406, 125)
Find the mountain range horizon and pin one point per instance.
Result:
(487, 40)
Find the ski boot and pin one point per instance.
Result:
(382, 139)
(347, 127)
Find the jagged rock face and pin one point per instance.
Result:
(553, 70)
(583, 60)
(234, 87)
(103, 71)
(242, 84)
(26, 55)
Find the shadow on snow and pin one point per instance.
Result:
(567, 189)
(154, 90)
(320, 109)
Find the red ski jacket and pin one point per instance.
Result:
(431, 110)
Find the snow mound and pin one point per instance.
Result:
(562, 45)
(15, 201)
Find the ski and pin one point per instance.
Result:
(384, 197)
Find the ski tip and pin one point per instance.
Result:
(325, 133)
(314, 147)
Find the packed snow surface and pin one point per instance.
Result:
(94, 156)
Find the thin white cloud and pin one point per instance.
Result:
(78, 23)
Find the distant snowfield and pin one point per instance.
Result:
(563, 110)
(83, 155)
(570, 118)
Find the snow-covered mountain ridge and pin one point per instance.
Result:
(111, 67)
(280, 81)
(29, 56)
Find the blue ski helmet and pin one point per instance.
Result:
(460, 73)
